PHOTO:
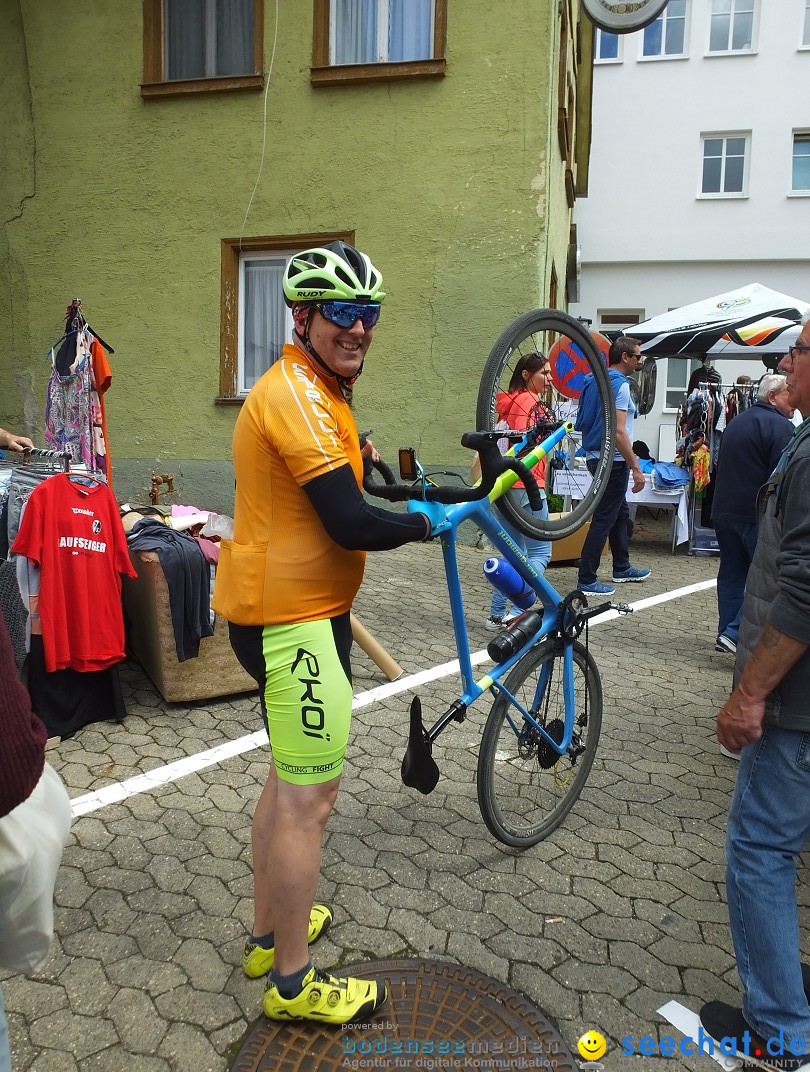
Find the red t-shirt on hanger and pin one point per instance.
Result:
(73, 532)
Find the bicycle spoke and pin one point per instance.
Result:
(525, 786)
(537, 332)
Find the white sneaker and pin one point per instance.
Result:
(496, 622)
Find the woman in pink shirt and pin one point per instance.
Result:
(519, 407)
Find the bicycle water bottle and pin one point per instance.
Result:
(512, 638)
(503, 576)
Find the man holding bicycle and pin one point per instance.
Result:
(286, 583)
(767, 720)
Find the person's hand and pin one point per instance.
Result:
(434, 512)
(638, 480)
(15, 442)
(739, 721)
(368, 450)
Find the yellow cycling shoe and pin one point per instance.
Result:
(326, 999)
(257, 961)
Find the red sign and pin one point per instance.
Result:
(569, 366)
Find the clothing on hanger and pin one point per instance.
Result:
(75, 418)
(74, 534)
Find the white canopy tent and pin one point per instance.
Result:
(753, 321)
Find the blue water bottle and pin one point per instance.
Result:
(503, 576)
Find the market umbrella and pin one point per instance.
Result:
(752, 321)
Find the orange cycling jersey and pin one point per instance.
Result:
(281, 565)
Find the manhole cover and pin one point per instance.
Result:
(438, 1016)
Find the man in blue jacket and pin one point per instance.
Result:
(767, 717)
(749, 450)
(611, 518)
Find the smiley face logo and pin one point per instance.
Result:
(592, 1045)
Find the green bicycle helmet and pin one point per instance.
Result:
(337, 272)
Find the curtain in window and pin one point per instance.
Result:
(234, 52)
(801, 162)
(264, 326)
(410, 30)
(354, 29)
(357, 25)
(185, 38)
(208, 38)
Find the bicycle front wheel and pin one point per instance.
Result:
(525, 787)
(574, 355)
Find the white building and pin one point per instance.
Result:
(700, 172)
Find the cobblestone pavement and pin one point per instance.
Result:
(619, 910)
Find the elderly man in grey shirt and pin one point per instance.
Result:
(767, 717)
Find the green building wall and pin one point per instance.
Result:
(454, 186)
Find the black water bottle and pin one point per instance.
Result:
(514, 636)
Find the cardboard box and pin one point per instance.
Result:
(570, 548)
(215, 672)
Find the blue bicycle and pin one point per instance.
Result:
(542, 732)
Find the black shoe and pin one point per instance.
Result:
(725, 1021)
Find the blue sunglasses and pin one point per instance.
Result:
(344, 314)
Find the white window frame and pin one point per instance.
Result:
(728, 50)
(664, 18)
(383, 10)
(281, 258)
(725, 135)
(597, 44)
(799, 136)
(688, 366)
(805, 38)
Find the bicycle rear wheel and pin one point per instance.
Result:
(576, 356)
(525, 787)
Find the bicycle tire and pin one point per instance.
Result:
(524, 789)
(527, 334)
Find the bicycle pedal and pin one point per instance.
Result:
(623, 608)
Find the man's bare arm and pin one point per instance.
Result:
(739, 720)
(625, 448)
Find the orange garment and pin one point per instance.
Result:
(281, 566)
(102, 378)
(701, 467)
(520, 409)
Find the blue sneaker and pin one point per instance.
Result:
(632, 573)
(597, 589)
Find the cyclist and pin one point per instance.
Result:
(286, 583)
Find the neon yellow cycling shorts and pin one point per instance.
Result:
(305, 689)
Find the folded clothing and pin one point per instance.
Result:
(188, 578)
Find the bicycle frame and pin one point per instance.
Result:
(480, 512)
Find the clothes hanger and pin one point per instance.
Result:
(81, 479)
(75, 316)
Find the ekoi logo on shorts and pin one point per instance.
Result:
(312, 708)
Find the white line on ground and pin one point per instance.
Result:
(141, 783)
